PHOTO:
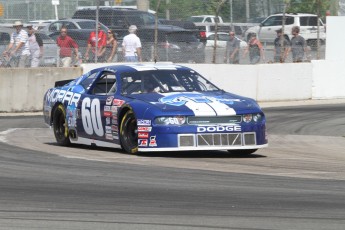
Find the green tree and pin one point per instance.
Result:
(309, 6)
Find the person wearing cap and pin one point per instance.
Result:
(19, 46)
(255, 49)
(232, 49)
(101, 45)
(131, 46)
(298, 45)
(281, 47)
(35, 46)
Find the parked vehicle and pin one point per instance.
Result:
(50, 53)
(117, 19)
(153, 107)
(174, 44)
(188, 25)
(266, 31)
(72, 24)
(222, 39)
(205, 19)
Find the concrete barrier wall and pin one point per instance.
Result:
(23, 89)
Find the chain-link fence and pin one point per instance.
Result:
(168, 43)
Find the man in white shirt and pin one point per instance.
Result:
(19, 45)
(131, 46)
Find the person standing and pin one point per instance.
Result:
(35, 46)
(111, 47)
(255, 49)
(19, 46)
(298, 45)
(101, 45)
(232, 49)
(281, 47)
(66, 43)
(131, 46)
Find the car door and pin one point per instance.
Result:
(268, 28)
(98, 111)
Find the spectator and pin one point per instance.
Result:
(281, 47)
(19, 46)
(298, 45)
(101, 44)
(232, 49)
(255, 49)
(111, 46)
(66, 43)
(131, 46)
(35, 46)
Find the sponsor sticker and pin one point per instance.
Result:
(144, 129)
(142, 142)
(109, 136)
(153, 142)
(118, 102)
(143, 135)
(107, 113)
(144, 122)
(212, 129)
(109, 100)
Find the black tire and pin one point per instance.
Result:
(129, 133)
(60, 126)
(242, 152)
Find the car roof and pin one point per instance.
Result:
(294, 14)
(138, 67)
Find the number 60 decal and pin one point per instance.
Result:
(91, 116)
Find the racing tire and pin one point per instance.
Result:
(242, 152)
(129, 133)
(60, 126)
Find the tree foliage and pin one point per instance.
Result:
(309, 6)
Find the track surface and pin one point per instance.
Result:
(296, 183)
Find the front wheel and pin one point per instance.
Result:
(60, 126)
(129, 133)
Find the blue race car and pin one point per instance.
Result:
(153, 107)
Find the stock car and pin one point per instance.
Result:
(153, 107)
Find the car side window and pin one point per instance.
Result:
(269, 21)
(70, 25)
(105, 84)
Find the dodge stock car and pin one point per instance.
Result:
(153, 107)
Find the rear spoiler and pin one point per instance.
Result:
(62, 83)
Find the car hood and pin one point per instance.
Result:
(218, 103)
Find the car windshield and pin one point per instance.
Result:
(164, 81)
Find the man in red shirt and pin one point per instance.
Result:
(101, 46)
(66, 43)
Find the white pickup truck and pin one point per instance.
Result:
(205, 18)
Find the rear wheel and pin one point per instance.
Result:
(60, 126)
(242, 152)
(129, 133)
